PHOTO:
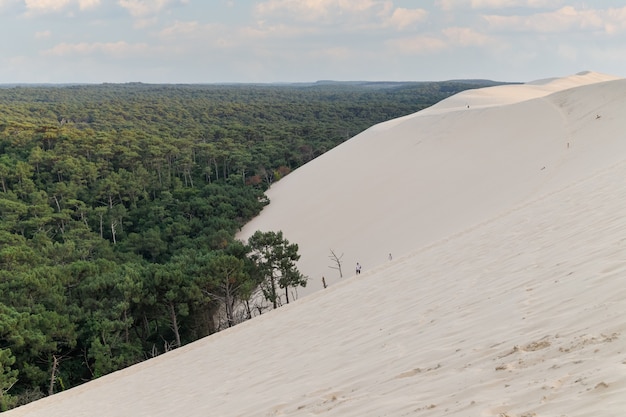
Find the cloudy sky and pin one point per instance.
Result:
(212, 41)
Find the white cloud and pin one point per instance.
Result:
(115, 49)
(146, 12)
(45, 6)
(321, 10)
(564, 19)
(452, 37)
(320, 18)
(500, 4)
(466, 37)
(403, 18)
(448, 5)
(182, 29)
(88, 4)
(315, 7)
(37, 7)
(141, 8)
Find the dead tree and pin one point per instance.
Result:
(337, 260)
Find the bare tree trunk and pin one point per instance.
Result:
(174, 321)
(113, 226)
(53, 374)
(56, 200)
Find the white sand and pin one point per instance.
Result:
(505, 297)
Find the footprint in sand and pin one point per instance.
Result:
(416, 371)
(601, 386)
(538, 345)
(410, 373)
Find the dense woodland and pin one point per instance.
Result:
(119, 205)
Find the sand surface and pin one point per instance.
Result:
(411, 181)
(505, 296)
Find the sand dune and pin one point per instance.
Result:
(505, 296)
(411, 181)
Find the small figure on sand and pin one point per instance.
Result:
(390, 257)
(358, 268)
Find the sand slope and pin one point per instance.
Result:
(411, 181)
(506, 297)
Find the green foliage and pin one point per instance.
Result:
(8, 378)
(119, 205)
(275, 259)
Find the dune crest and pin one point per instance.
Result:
(510, 94)
(504, 298)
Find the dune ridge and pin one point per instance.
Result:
(511, 308)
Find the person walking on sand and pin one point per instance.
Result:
(358, 268)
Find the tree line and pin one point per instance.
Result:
(119, 204)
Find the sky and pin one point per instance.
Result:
(266, 41)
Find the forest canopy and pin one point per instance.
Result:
(119, 204)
